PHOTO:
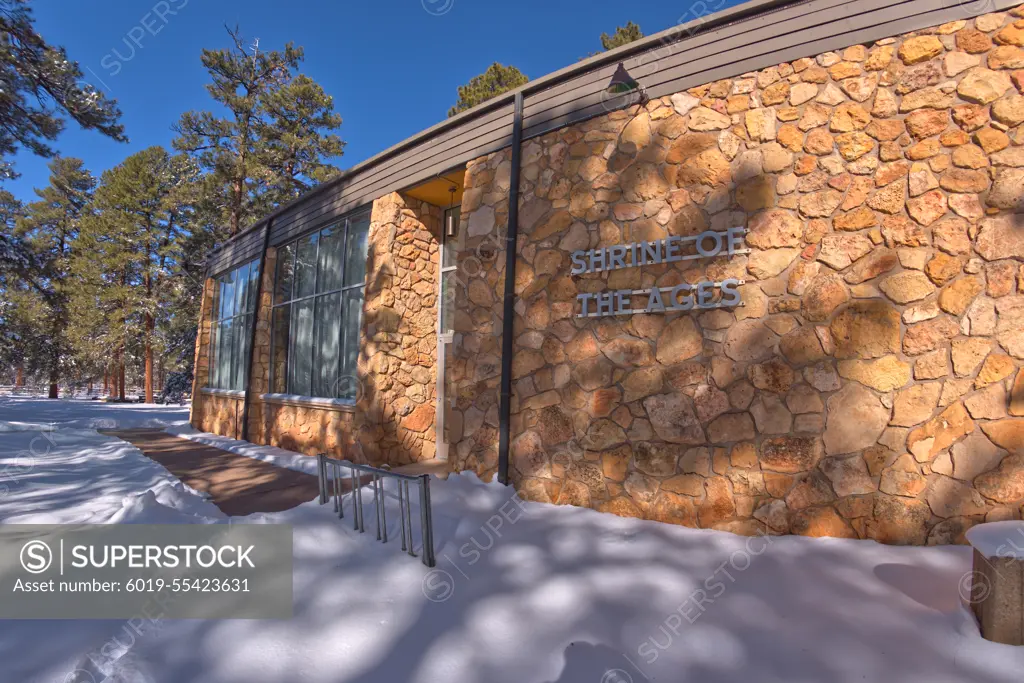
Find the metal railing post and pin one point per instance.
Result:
(408, 516)
(383, 511)
(322, 479)
(336, 476)
(331, 482)
(426, 532)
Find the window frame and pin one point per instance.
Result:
(345, 224)
(240, 322)
(446, 327)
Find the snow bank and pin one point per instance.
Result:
(998, 539)
(18, 412)
(522, 592)
(531, 592)
(78, 476)
(62, 471)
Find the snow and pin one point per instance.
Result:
(275, 456)
(998, 539)
(522, 592)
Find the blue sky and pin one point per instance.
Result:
(392, 66)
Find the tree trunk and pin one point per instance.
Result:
(54, 363)
(149, 358)
(120, 379)
(236, 206)
(106, 380)
(19, 377)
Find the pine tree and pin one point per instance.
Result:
(48, 231)
(622, 36)
(15, 263)
(39, 84)
(491, 83)
(276, 140)
(205, 231)
(129, 253)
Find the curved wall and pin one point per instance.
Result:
(870, 385)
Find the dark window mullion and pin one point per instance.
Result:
(341, 303)
(313, 365)
(271, 370)
(295, 261)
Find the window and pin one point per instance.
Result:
(318, 311)
(234, 301)
(449, 277)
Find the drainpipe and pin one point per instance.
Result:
(252, 332)
(505, 406)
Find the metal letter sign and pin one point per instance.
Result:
(682, 297)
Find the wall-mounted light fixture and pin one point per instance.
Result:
(622, 83)
(450, 228)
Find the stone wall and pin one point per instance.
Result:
(303, 428)
(398, 363)
(218, 414)
(867, 388)
(201, 359)
(474, 364)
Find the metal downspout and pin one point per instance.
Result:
(505, 406)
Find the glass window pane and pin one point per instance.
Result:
(214, 355)
(282, 317)
(240, 358)
(300, 357)
(328, 345)
(355, 250)
(352, 319)
(227, 296)
(224, 359)
(237, 340)
(305, 266)
(451, 236)
(224, 362)
(329, 276)
(285, 272)
(215, 307)
(254, 276)
(449, 282)
(241, 276)
(215, 345)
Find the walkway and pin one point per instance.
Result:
(236, 484)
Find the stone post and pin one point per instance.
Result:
(997, 581)
(395, 410)
(201, 365)
(259, 379)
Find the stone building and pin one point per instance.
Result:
(778, 288)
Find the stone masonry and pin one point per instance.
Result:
(474, 366)
(398, 364)
(871, 384)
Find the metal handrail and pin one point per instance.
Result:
(330, 488)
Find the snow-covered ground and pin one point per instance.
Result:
(522, 592)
